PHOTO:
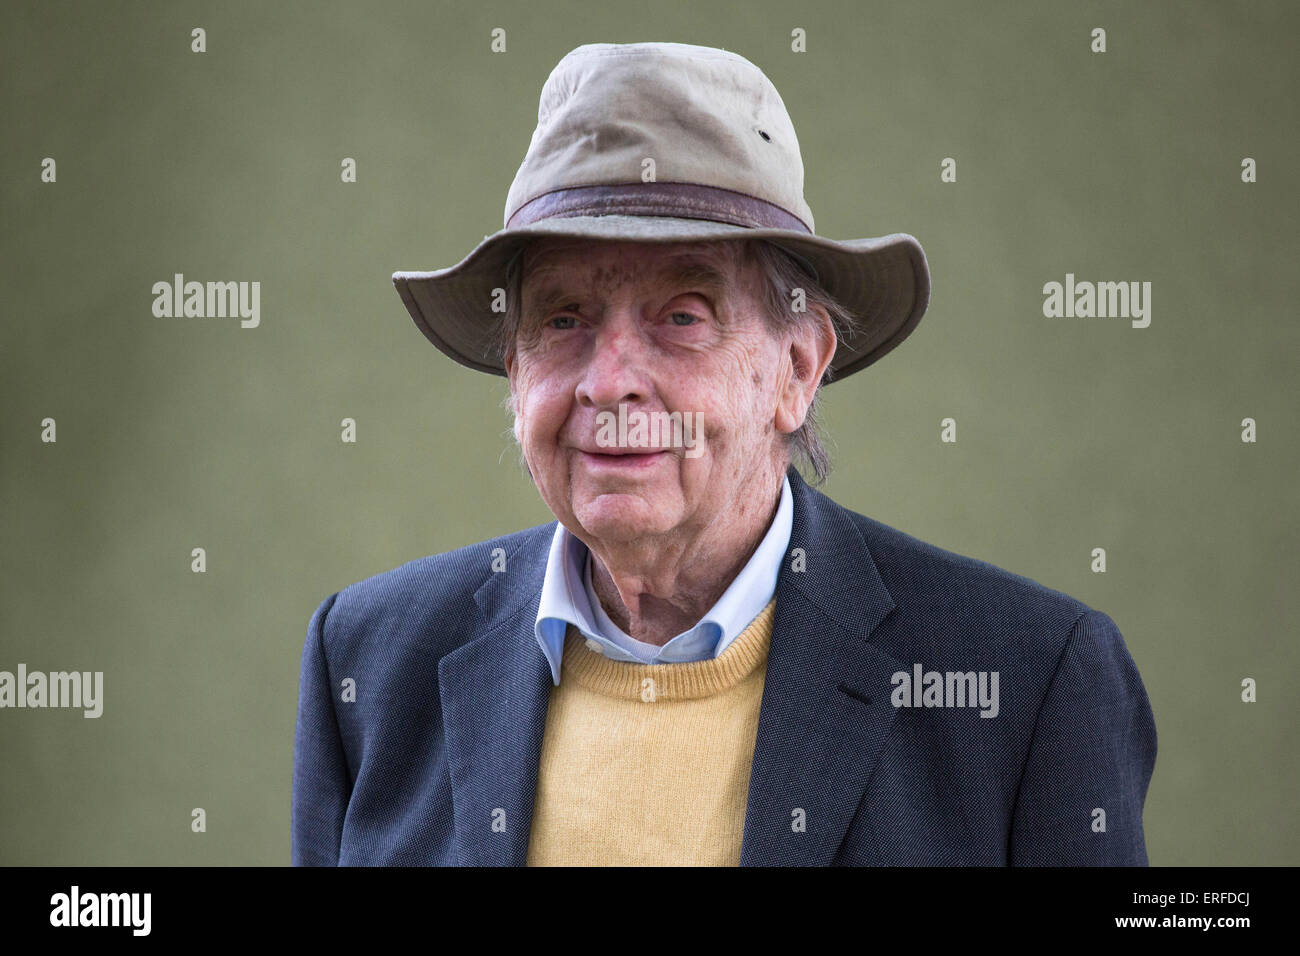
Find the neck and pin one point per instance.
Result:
(655, 593)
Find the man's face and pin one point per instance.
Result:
(658, 328)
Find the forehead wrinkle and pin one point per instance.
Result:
(555, 284)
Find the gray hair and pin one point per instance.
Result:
(782, 273)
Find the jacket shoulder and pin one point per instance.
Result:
(951, 593)
(957, 613)
(430, 599)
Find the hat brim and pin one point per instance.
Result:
(883, 281)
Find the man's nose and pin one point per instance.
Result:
(616, 366)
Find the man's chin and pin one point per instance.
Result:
(617, 516)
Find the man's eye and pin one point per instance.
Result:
(690, 319)
(571, 320)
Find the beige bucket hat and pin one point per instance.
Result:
(726, 165)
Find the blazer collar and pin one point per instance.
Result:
(823, 718)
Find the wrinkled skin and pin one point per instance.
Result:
(607, 323)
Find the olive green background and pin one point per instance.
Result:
(183, 433)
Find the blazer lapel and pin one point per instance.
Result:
(495, 692)
(825, 710)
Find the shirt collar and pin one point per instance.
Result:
(567, 599)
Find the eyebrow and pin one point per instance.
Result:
(687, 270)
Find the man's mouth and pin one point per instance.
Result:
(623, 459)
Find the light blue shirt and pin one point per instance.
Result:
(568, 598)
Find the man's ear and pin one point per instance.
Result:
(812, 346)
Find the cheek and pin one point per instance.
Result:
(765, 374)
(542, 409)
(742, 404)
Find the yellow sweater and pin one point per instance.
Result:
(648, 764)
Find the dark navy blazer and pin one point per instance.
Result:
(435, 761)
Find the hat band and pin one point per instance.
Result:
(678, 200)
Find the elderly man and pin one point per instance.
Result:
(703, 660)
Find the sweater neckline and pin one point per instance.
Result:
(679, 680)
